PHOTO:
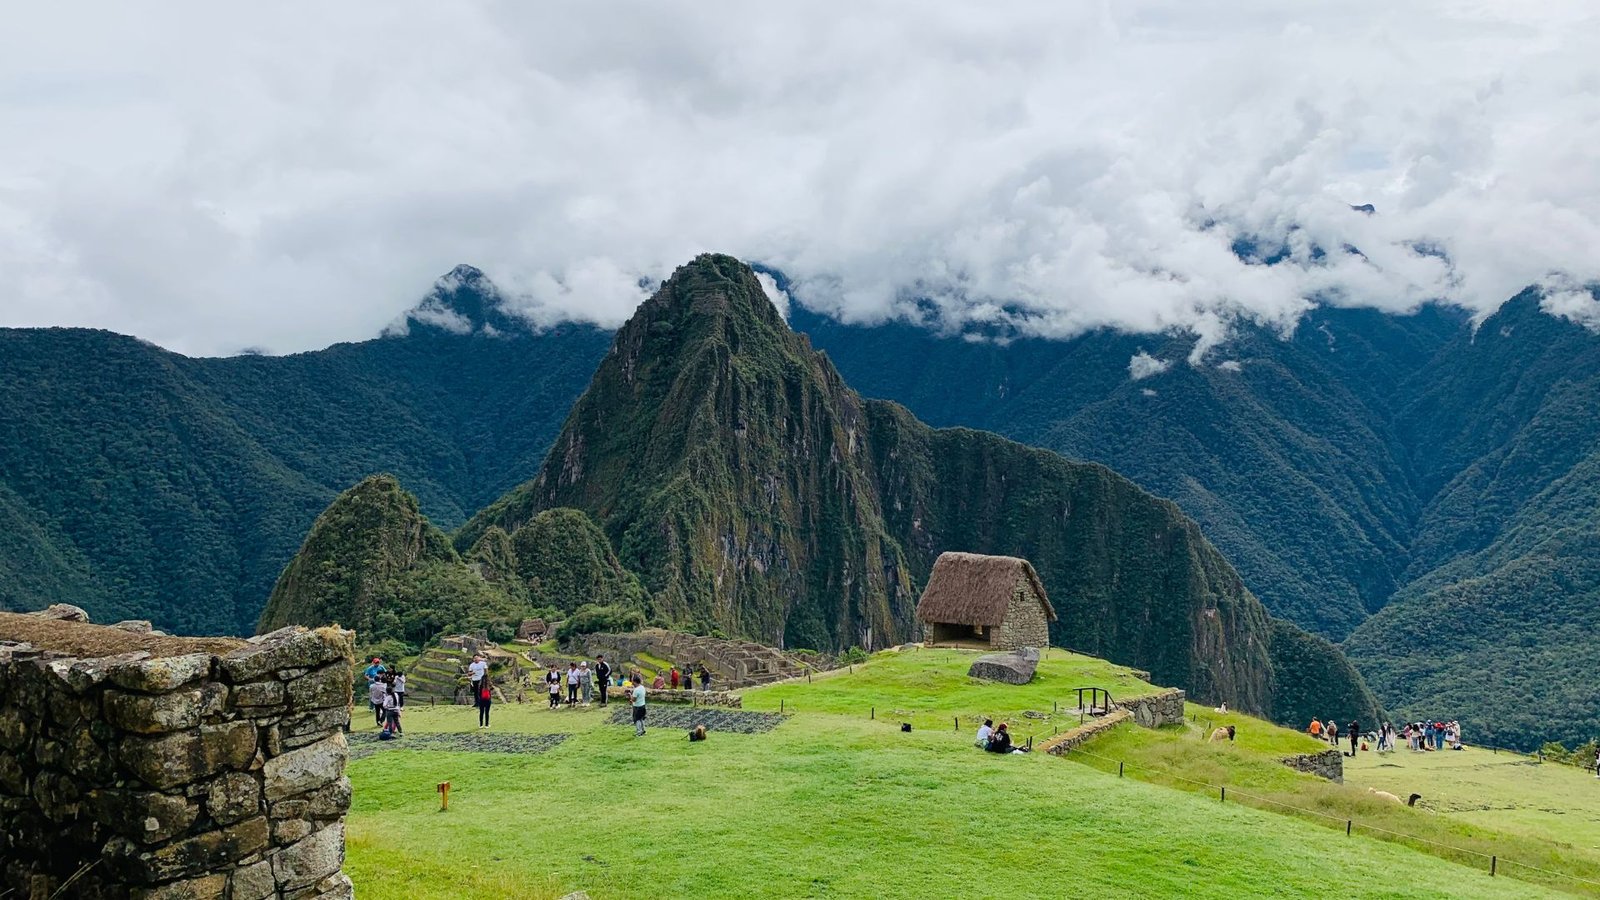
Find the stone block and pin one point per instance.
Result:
(147, 817)
(287, 831)
(157, 676)
(286, 648)
(252, 882)
(206, 887)
(302, 729)
(213, 699)
(1014, 667)
(14, 732)
(153, 713)
(258, 693)
(192, 855)
(306, 768)
(13, 780)
(327, 802)
(234, 796)
(189, 756)
(57, 795)
(82, 757)
(64, 612)
(308, 861)
(326, 687)
(135, 626)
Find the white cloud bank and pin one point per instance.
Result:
(1143, 366)
(211, 176)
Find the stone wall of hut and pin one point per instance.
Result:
(1025, 624)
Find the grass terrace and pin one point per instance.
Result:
(831, 803)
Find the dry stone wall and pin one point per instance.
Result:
(167, 768)
(1025, 624)
(732, 663)
(1156, 710)
(1328, 764)
(1066, 741)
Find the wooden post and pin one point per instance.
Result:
(1224, 795)
(1493, 862)
(1055, 707)
(1349, 825)
(958, 723)
(780, 707)
(444, 796)
(873, 714)
(1119, 770)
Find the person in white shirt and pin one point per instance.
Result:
(638, 710)
(477, 671)
(572, 684)
(984, 730)
(400, 687)
(376, 691)
(585, 681)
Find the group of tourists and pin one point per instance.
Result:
(386, 693)
(580, 682)
(1420, 737)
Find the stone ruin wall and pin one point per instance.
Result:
(733, 664)
(188, 769)
(1156, 710)
(1328, 764)
(1025, 624)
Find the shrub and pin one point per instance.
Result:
(591, 619)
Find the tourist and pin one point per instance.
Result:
(374, 670)
(984, 730)
(1354, 729)
(476, 672)
(1597, 762)
(602, 674)
(1332, 731)
(674, 677)
(697, 733)
(705, 678)
(585, 681)
(1316, 729)
(485, 697)
(400, 687)
(659, 683)
(1000, 740)
(638, 709)
(552, 683)
(391, 710)
(376, 691)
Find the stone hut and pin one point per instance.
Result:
(988, 602)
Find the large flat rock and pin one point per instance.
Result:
(1013, 667)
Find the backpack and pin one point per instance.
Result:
(484, 694)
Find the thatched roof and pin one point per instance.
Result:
(972, 589)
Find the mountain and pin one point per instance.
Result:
(1422, 488)
(373, 562)
(754, 492)
(140, 483)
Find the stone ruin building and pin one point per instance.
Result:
(142, 766)
(988, 602)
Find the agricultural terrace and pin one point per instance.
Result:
(830, 803)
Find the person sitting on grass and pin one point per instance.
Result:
(697, 733)
(984, 730)
(1000, 740)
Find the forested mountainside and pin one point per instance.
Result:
(1425, 490)
(140, 483)
(753, 491)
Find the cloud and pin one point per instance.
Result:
(778, 296)
(1231, 365)
(1143, 366)
(291, 175)
(1571, 301)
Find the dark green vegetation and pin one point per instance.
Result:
(139, 483)
(755, 493)
(1425, 491)
(374, 563)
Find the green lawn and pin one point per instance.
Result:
(1180, 757)
(831, 804)
(930, 689)
(1505, 791)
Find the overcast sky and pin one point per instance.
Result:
(216, 176)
